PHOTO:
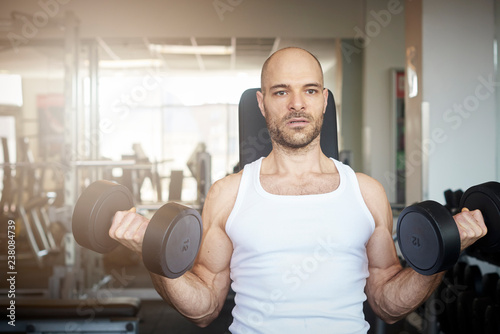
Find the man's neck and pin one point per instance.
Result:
(297, 161)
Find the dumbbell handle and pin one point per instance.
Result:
(429, 237)
(472, 220)
(171, 239)
(118, 233)
(485, 197)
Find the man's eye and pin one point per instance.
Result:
(280, 93)
(312, 91)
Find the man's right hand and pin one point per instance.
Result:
(471, 227)
(128, 228)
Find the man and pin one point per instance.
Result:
(303, 238)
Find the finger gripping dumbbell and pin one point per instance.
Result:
(172, 238)
(428, 235)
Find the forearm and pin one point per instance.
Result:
(199, 294)
(190, 296)
(403, 293)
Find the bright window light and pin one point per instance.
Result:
(130, 63)
(11, 90)
(210, 89)
(188, 89)
(192, 49)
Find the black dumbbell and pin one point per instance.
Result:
(172, 238)
(485, 298)
(444, 293)
(452, 199)
(497, 293)
(465, 299)
(428, 235)
(454, 282)
(492, 320)
(492, 314)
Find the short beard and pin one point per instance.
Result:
(290, 141)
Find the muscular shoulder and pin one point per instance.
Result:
(221, 198)
(369, 185)
(376, 199)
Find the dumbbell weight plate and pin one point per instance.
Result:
(473, 278)
(492, 320)
(428, 237)
(486, 198)
(94, 212)
(172, 240)
(489, 285)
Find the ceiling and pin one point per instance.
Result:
(45, 57)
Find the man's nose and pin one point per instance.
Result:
(296, 102)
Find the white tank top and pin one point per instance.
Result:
(299, 263)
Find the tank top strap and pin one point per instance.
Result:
(247, 176)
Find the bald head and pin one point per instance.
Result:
(284, 60)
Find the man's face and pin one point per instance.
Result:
(293, 99)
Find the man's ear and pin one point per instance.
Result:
(325, 96)
(260, 101)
